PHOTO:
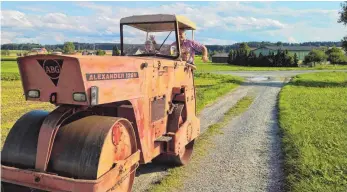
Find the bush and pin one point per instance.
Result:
(314, 56)
(115, 51)
(336, 56)
(69, 47)
(100, 52)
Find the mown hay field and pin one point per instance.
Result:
(313, 118)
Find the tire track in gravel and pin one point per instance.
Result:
(148, 174)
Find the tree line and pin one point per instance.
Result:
(211, 48)
(243, 56)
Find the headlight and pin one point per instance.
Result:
(34, 93)
(94, 93)
(80, 97)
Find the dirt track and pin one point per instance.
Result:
(247, 156)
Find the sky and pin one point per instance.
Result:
(219, 23)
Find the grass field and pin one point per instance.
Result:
(313, 117)
(13, 105)
(9, 70)
(209, 66)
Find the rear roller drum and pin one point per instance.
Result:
(175, 120)
(90, 147)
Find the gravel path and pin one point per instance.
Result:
(148, 174)
(247, 157)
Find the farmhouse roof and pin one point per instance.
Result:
(144, 22)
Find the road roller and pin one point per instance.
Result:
(112, 113)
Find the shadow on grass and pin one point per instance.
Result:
(151, 168)
(323, 84)
(276, 175)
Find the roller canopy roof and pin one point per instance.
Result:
(145, 22)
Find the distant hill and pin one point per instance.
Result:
(211, 48)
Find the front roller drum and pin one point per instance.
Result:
(20, 146)
(85, 149)
(90, 147)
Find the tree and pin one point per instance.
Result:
(314, 56)
(244, 49)
(343, 14)
(115, 51)
(230, 57)
(279, 43)
(343, 19)
(100, 52)
(335, 55)
(344, 43)
(296, 60)
(69, 47)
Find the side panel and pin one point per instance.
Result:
(117, 78)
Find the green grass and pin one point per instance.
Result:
(204, 143)
(211, 86)
(13, 105)
(209, 66)
(9, 70)
(9, 67)
(313, 118)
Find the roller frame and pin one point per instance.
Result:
(54, 183)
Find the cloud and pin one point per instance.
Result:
(292, 40)
(11, 18)
(213, 19)
(8, 37)
(244, 23)
(213, 41)
(98, 8)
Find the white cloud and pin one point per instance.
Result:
(8, 37)
(292, 40)
(213, 41)
(244, 23)
(98, 8)
(213, 17)
(10, 18)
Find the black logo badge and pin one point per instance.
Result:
(52, 68)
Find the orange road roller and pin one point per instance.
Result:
(112, 113)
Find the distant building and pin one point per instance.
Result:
(220, 58)
(39, 50)
(301, 51)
